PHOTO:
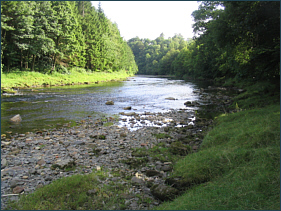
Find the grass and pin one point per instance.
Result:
(238, 166)
(78, 192)
(28, 79)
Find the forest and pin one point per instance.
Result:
(55, 36)
(233, 40)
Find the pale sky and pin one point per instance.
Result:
(148, 19)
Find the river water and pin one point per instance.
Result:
(44, 108)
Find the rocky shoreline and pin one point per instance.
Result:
(32, 160)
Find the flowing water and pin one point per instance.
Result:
(44, 108)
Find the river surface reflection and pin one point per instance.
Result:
(48, 107)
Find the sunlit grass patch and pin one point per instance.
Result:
(77, 192)
(28, 79)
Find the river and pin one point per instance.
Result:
(49, 107)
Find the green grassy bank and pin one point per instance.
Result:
(238, 166)
(26, 79)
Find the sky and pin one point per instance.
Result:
(148, 19)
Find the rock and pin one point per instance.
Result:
(187, 103)
(65, 163)
(41, 162)
(3, 163)
(109, 103)
(170, 98)
(18, 190)
(138, 181)
(128, 114)
(164, 192)
(166, 168)
(14, 183)
(127, 108)
(16, 119)
(123, 135)
(151, 173)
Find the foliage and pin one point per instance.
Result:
(156, 56)
(234, 39)
(49, 36)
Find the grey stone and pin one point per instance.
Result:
(65, 163)
(3, 163)
(136, 180)
(164, 192)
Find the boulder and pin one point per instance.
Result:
(16, 119)
(127, 108)
(164, 192)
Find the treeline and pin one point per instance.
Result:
(234, 40)
(156, 56)
(51, 36)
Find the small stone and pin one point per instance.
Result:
(166, 168)
(48, 178)
(13, 183)
(25, 177)
(151, 173)
(18, 190)
(3, 163)
(136, 180)
(41, 162)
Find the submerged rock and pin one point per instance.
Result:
(127, 108)
(109, 103)
(16, 119)
(170, 98)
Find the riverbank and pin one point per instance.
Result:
(12, 81)
(234, 166)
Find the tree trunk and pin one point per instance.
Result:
(33, 62)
